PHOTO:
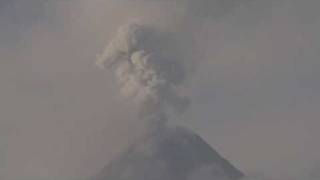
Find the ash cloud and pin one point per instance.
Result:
(145, 70)
(150, 63)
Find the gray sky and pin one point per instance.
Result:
(255, 92)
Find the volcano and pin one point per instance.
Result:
(172, 153)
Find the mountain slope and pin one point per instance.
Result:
(170, 154)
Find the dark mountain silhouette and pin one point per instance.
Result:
(170, 154)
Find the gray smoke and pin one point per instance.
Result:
(145, 70)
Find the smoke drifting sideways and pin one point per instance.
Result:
(147, 70)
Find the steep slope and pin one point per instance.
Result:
(170, 154)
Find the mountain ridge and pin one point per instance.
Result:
(171, 153)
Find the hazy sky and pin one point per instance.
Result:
(255, 89)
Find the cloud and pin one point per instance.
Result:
(145, 70)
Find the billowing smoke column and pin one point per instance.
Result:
(147, 71)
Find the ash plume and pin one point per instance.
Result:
(146, 70)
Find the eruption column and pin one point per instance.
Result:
(146, 71)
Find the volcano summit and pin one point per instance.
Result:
(170, 154)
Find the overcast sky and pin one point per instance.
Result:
(255, 90)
